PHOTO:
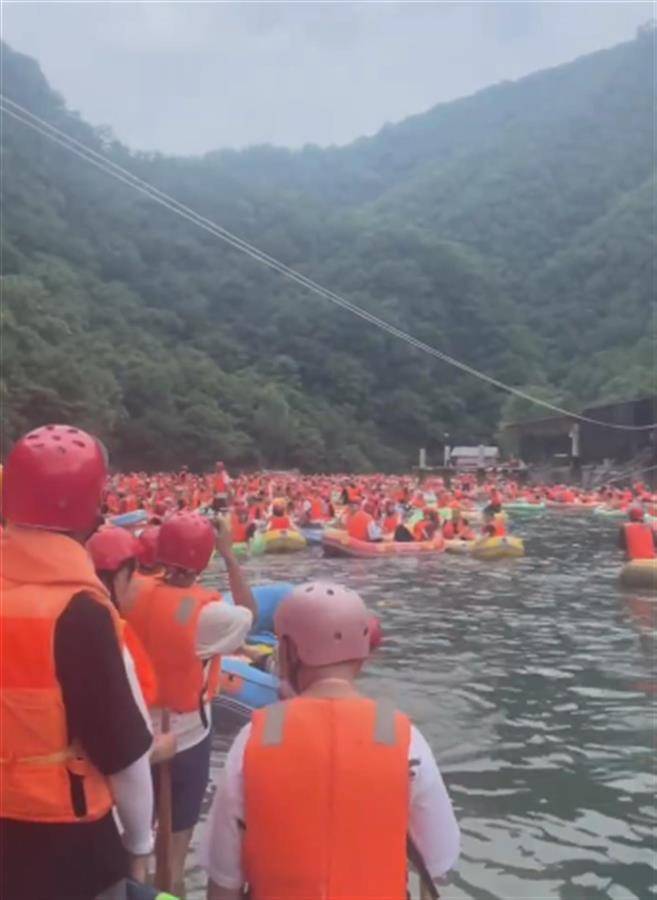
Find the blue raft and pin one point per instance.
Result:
(243, 686)
(130, 519)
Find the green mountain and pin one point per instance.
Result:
(513, 230)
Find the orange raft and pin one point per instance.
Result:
(338, 543)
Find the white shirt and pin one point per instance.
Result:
(432, 823)
(222, 628)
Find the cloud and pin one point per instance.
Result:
(189, 77)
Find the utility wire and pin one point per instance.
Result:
(109, 167)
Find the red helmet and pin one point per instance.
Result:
(54, 478)
(636, 513)
(186, 540)
(147, 540)
(110, 547)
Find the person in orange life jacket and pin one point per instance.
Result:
(458, 527)
(427, 528)
(61, 645)
(279, 520)
(636, 537)
(361, 525)
(391, 518)
(314, 509)
(371, 774)
(494, 522)
(185, 628)
(114, 552)
(242, 530)
(221, 486)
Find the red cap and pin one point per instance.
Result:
(54, 478)
(110, 547)
(636, 513)
(186, 540)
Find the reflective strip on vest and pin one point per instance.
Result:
(165, 619)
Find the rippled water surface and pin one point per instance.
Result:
(534, 682)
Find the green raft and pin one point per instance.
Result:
(522, 508)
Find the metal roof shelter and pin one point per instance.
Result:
(541, 439)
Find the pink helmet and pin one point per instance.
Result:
(328, 623)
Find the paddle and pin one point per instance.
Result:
(163, 842)
(428, 889)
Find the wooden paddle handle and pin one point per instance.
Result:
(163, 841)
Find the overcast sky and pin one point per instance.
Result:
(185, 77)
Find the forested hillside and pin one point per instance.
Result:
(513, 230)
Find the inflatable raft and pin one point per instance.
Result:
(458, 546)
(243, 687)
(506, 547)
(130, 520)
(267, 598)
(313, 534)
(577, 506)
(523, 508)
(282, 540)
(608, 512)
(338, 543)
(640, 573)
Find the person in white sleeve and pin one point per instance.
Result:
(185, 627)
(323, 794)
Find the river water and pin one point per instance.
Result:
(534, 682)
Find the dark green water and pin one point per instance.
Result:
(534, 682)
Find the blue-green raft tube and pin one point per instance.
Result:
(245, 687)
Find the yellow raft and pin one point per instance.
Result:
(283, 540)
(640, 573)
(506, 547)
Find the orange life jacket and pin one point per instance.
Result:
(39, 766)
(499, 523)
(143, 665)
(420, 531)
(358, 525)
(239, 530)
(220, 483)
(279, 523)
(326, 786)
(166, 618)
(639, 540)
(317, 510)
(390, 523)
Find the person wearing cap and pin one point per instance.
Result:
(81, 745)
(636, 537)
(319, 792)
(185, 627)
